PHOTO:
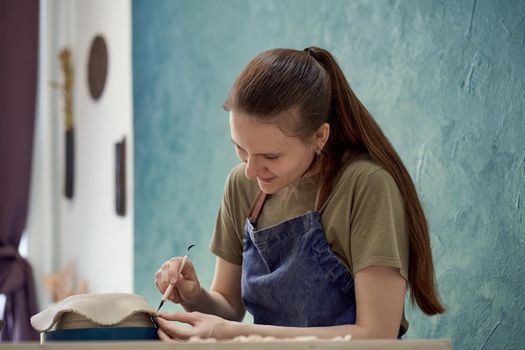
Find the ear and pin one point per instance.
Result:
(321, 136)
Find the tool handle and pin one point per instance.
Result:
(170, 287)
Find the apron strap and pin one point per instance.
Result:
(320, 198)
(256, 208)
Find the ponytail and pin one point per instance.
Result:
(354, 128)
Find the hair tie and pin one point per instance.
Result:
(311, 52)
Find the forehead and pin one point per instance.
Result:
(247, 131)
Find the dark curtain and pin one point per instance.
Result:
(18, 80)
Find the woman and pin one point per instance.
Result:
(320, 230)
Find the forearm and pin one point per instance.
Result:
(214, 303)
(357, 332)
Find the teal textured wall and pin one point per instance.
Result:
(444, 79)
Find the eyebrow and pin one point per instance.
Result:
(257, 154)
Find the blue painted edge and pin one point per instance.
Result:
(102, 333)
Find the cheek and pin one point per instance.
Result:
(286, 168)
(302, 163)
(276, 169)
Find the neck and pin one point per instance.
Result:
(314, 168)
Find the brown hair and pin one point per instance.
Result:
(311, 83)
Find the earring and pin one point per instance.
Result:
(317, 152)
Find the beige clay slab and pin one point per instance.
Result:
(100, 309)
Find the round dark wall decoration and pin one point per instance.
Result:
(97, 67)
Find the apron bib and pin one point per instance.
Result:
(290, 277)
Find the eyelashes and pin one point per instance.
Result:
(271, 157)
(241, 153)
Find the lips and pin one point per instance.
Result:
(266, 180)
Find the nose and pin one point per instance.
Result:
(251, 168)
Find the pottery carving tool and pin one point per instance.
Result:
(170, 287)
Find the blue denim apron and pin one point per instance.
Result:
(290, 277)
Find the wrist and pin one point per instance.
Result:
(232, 329)
(194, 301)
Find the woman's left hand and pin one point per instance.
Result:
(203, 326)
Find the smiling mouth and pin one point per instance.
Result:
(267, 180)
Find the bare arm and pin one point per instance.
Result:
(223, 299)
(380, 293)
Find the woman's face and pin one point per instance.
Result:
(273, 158)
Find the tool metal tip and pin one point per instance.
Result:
(191, 246)
(160, 305)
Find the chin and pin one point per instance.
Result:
(269, 188)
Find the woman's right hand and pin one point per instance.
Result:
(186, 286)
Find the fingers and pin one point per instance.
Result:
(168, 273)
(157, 284)
(185, 317)
(158, 279)
(165, 337)
(175, 296)
(172, 331)
(186, 283)
(162, 278)
(188, 270)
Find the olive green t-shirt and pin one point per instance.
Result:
(363, 216)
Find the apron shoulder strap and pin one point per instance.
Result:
(257, 205)
(320, 198)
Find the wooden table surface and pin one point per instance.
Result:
(439, 344)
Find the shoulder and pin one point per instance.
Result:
(362, 171)
(362, 179)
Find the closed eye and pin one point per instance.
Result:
(270, 156)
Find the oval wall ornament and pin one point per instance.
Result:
(97, 66)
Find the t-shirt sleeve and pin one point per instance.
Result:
(379, 233)
(226, 241)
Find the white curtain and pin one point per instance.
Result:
(41, 230)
